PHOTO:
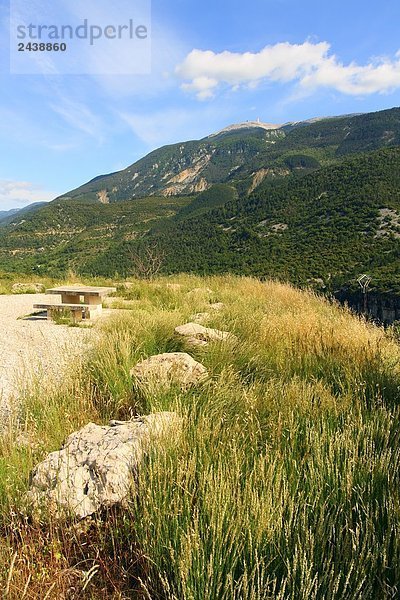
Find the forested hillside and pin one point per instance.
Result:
(332, 225)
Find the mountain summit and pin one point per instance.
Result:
(243, 126)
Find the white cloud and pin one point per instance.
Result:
(311, 65)
(379, 76)
(16, 194)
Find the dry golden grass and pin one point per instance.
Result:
(284, 485)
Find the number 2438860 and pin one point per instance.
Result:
(42, 47)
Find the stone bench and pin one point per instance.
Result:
(77, 310)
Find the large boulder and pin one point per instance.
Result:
(96, 466)
(28, 288)
(169, 368)
(198, 335)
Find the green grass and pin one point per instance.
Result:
(284, 483)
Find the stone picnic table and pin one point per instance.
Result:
(80, 300)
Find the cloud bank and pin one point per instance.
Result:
(309, 65)
(16, 194)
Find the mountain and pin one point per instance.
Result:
(316, 203)
(4, 214)
(9, 216)
(186, 168)
(245, 155)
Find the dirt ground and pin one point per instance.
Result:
(32, 345)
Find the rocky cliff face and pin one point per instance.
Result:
(185, 169)
(384, 308)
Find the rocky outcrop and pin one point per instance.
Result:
(201, 186)
(97, 466)
(381, 307)
(169, 368)
(198, 335)
(258, 178)
(189, 174)
(103, 197)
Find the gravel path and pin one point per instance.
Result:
(32, 345)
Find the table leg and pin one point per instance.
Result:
(95, 305)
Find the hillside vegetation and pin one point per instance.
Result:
(65, 234)
(234, 156)
(283, 485)
(333, 224)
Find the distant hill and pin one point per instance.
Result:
(66, 233)
(8, 216)
(4, 214)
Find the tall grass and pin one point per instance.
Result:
(284, 483)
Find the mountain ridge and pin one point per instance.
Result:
(242, 153)
(4, 214)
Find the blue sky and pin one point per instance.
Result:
(213, 64)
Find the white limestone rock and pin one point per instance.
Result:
(198, 335)
(96, 467)
(169, 368)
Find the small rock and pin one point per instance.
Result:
(200, 290)
(125, 285)
(217, 306)
(28, 288)
(96, 466)
(198, 335)
(168, 368)
(200, 317)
